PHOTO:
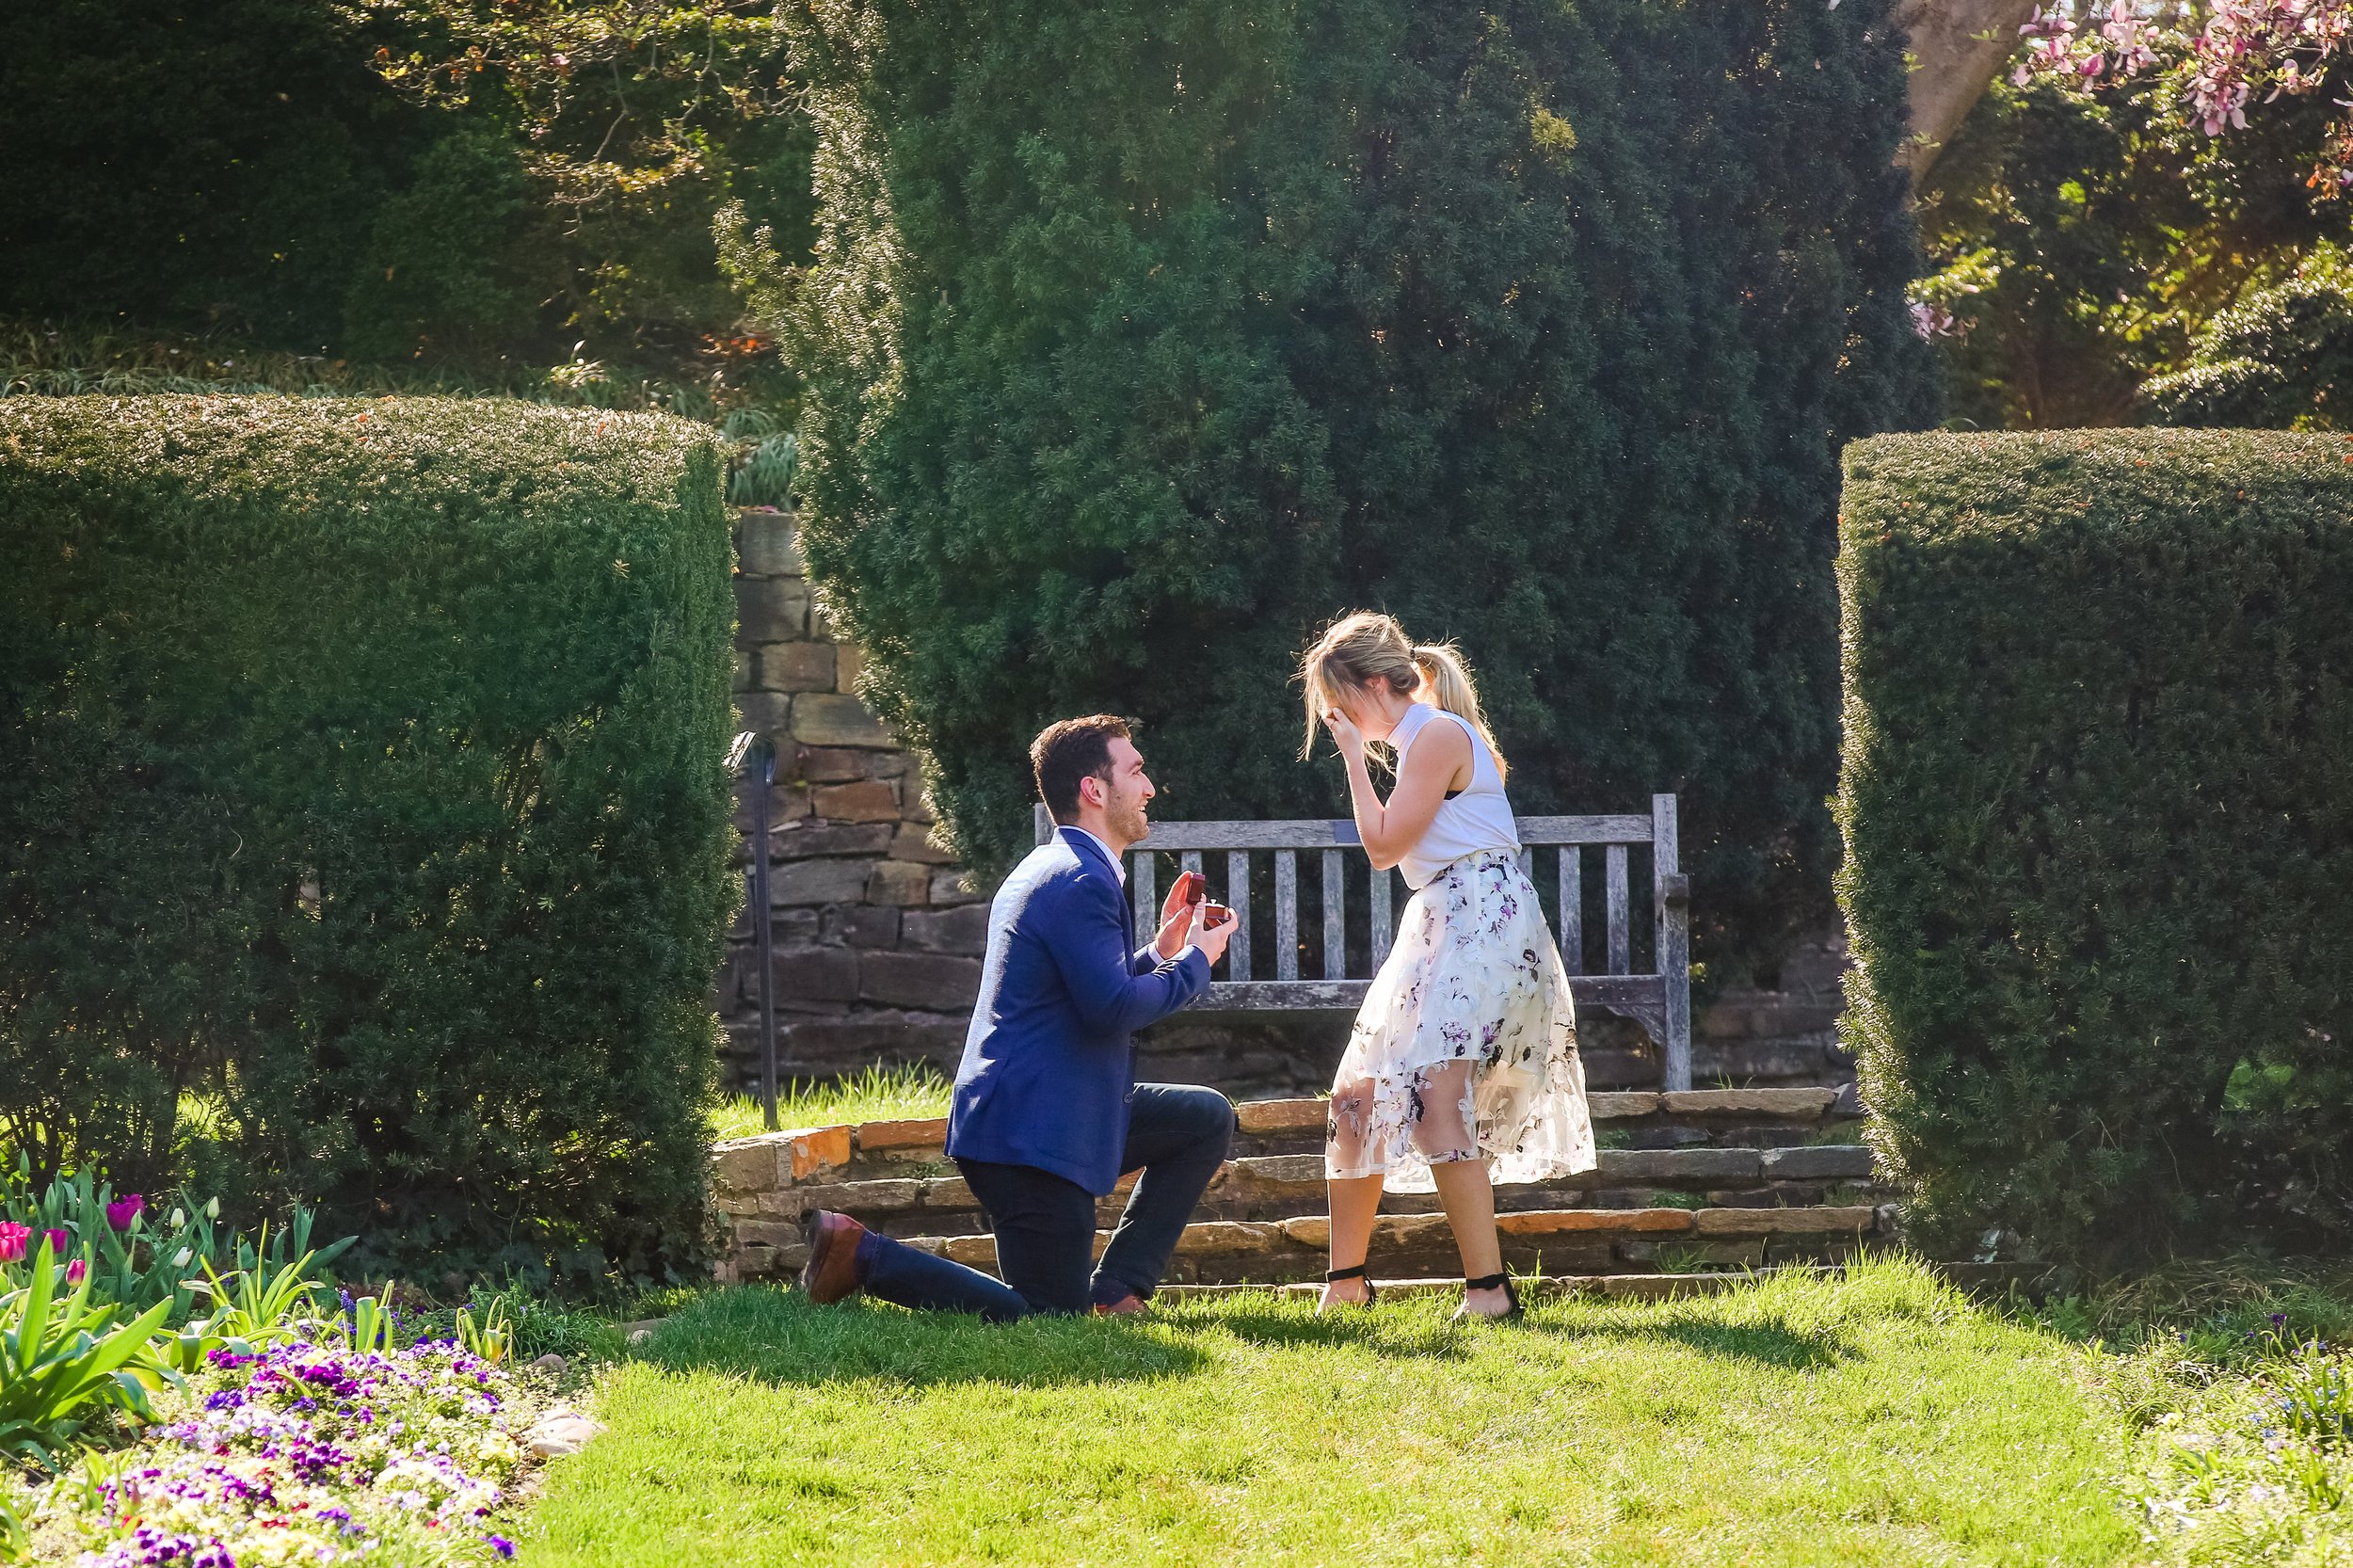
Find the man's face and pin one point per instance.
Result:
(1125, 792)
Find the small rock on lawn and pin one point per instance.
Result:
(562, 1432)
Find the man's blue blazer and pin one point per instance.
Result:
(1048, 1066)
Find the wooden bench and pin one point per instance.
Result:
(1660, 1001)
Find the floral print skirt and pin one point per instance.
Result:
(1465, 1047)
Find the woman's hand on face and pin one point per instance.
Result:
(1344, 732)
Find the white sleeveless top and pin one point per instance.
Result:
(1478, 819)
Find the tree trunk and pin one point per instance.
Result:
(1957, 48)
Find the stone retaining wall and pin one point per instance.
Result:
(878, 938)
(1742, 1178)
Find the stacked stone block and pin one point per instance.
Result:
(1784, 1033)
(878, 938)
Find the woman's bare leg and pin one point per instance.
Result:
(1468, 1198)
(1447, 1135)
(1356, 1202)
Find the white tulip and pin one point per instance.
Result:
(182, 1261)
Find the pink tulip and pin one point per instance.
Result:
(76, 1272)
(57, 1240)
(124, 1210)
(12, 1240)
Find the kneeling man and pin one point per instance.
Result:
(1047, 1114)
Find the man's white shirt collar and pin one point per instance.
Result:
(1117, 864)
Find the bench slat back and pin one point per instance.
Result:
(1660, 997)
(1566, 837)
(1318, 833)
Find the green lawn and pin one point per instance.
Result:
(1874, 1418)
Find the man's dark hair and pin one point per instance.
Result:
(1069, 750)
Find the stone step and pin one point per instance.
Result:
(1724, 1182)
(1279, 1187)
(1688, 1168)
(1633, 1121)
(1584, 1241)
(1531, 1289)
(1990, 1281)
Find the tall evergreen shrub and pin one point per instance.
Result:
(1143, 338)
(361, 776)
(2099, 867)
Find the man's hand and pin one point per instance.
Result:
(1176, 928)
(1211, 939)
(1185, 895)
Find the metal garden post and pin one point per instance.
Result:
(756, 754)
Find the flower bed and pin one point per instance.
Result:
(309, 1452)
(2251, 1448)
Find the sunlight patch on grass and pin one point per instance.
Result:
(876, 1095)
(1875, 1418)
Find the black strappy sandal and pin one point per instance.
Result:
(1372, 1292)
(1489, 1282)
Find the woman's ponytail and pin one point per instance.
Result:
(1448, 683)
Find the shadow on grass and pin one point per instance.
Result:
(774, 1336)
(1383, 1330)
(1766, 1343)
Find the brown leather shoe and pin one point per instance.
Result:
(831, 1273)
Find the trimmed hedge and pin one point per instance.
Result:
(1145, 337)
(364, 779)
(2099, 876)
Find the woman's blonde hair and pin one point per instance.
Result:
(1356, 650)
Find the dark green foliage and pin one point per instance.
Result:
(1145, 339)
(2083, 240)
(361, 770)
(438, 268)
(2099, 870)
(191, 161)
(2275, 360)
(237, 166)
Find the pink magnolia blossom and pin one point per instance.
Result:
(1932, 320)
(2278, 48)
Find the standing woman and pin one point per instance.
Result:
(1462, 1069)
